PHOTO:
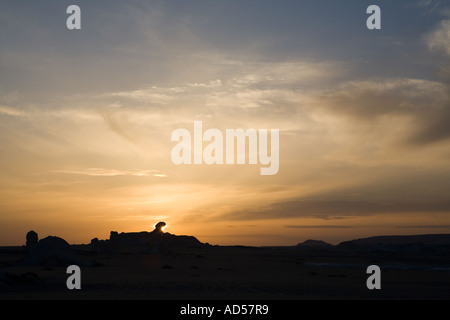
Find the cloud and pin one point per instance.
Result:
(336, 209)
(300, 95)
(117, 123)
(11, 111)
(439, 39)
(432, 6)
(419, 107)
(438, 226)
(432, 127)
(369, 100)
(248, 88)
(153, 95)
(325, 226)
(101, 172)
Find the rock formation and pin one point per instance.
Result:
(159, 226)
(50, 251)
(156, 241)
(32, 239)
(314, 245)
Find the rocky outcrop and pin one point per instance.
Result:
(155, 241)
(32, 239)
(50, 251)
(314, 245)
(159, 226)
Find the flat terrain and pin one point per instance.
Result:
(216, 272)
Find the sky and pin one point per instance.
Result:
(86, 118)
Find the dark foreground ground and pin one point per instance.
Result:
(229, 273)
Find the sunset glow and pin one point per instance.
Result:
(86, 119)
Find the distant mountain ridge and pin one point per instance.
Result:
(426, 239)
(405, 245)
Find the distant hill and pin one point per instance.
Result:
(415, 245)
(426, 239)
(314, 245)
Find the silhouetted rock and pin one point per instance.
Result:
(156, 241)
(314, 245)
(113, 235)
(50, 251)
(32, 239)
(159, 226)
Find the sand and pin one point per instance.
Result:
(213, 272)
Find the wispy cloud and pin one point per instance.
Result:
(425, 226)
(10, 111)
(420, 105)
(117, 124)
(318, 227)
(439, 39)
(335, 209)
(102, 172)
(432, 6)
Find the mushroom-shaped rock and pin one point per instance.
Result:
(159, 226)
(32, 239)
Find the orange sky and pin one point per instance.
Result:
(86, 121)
